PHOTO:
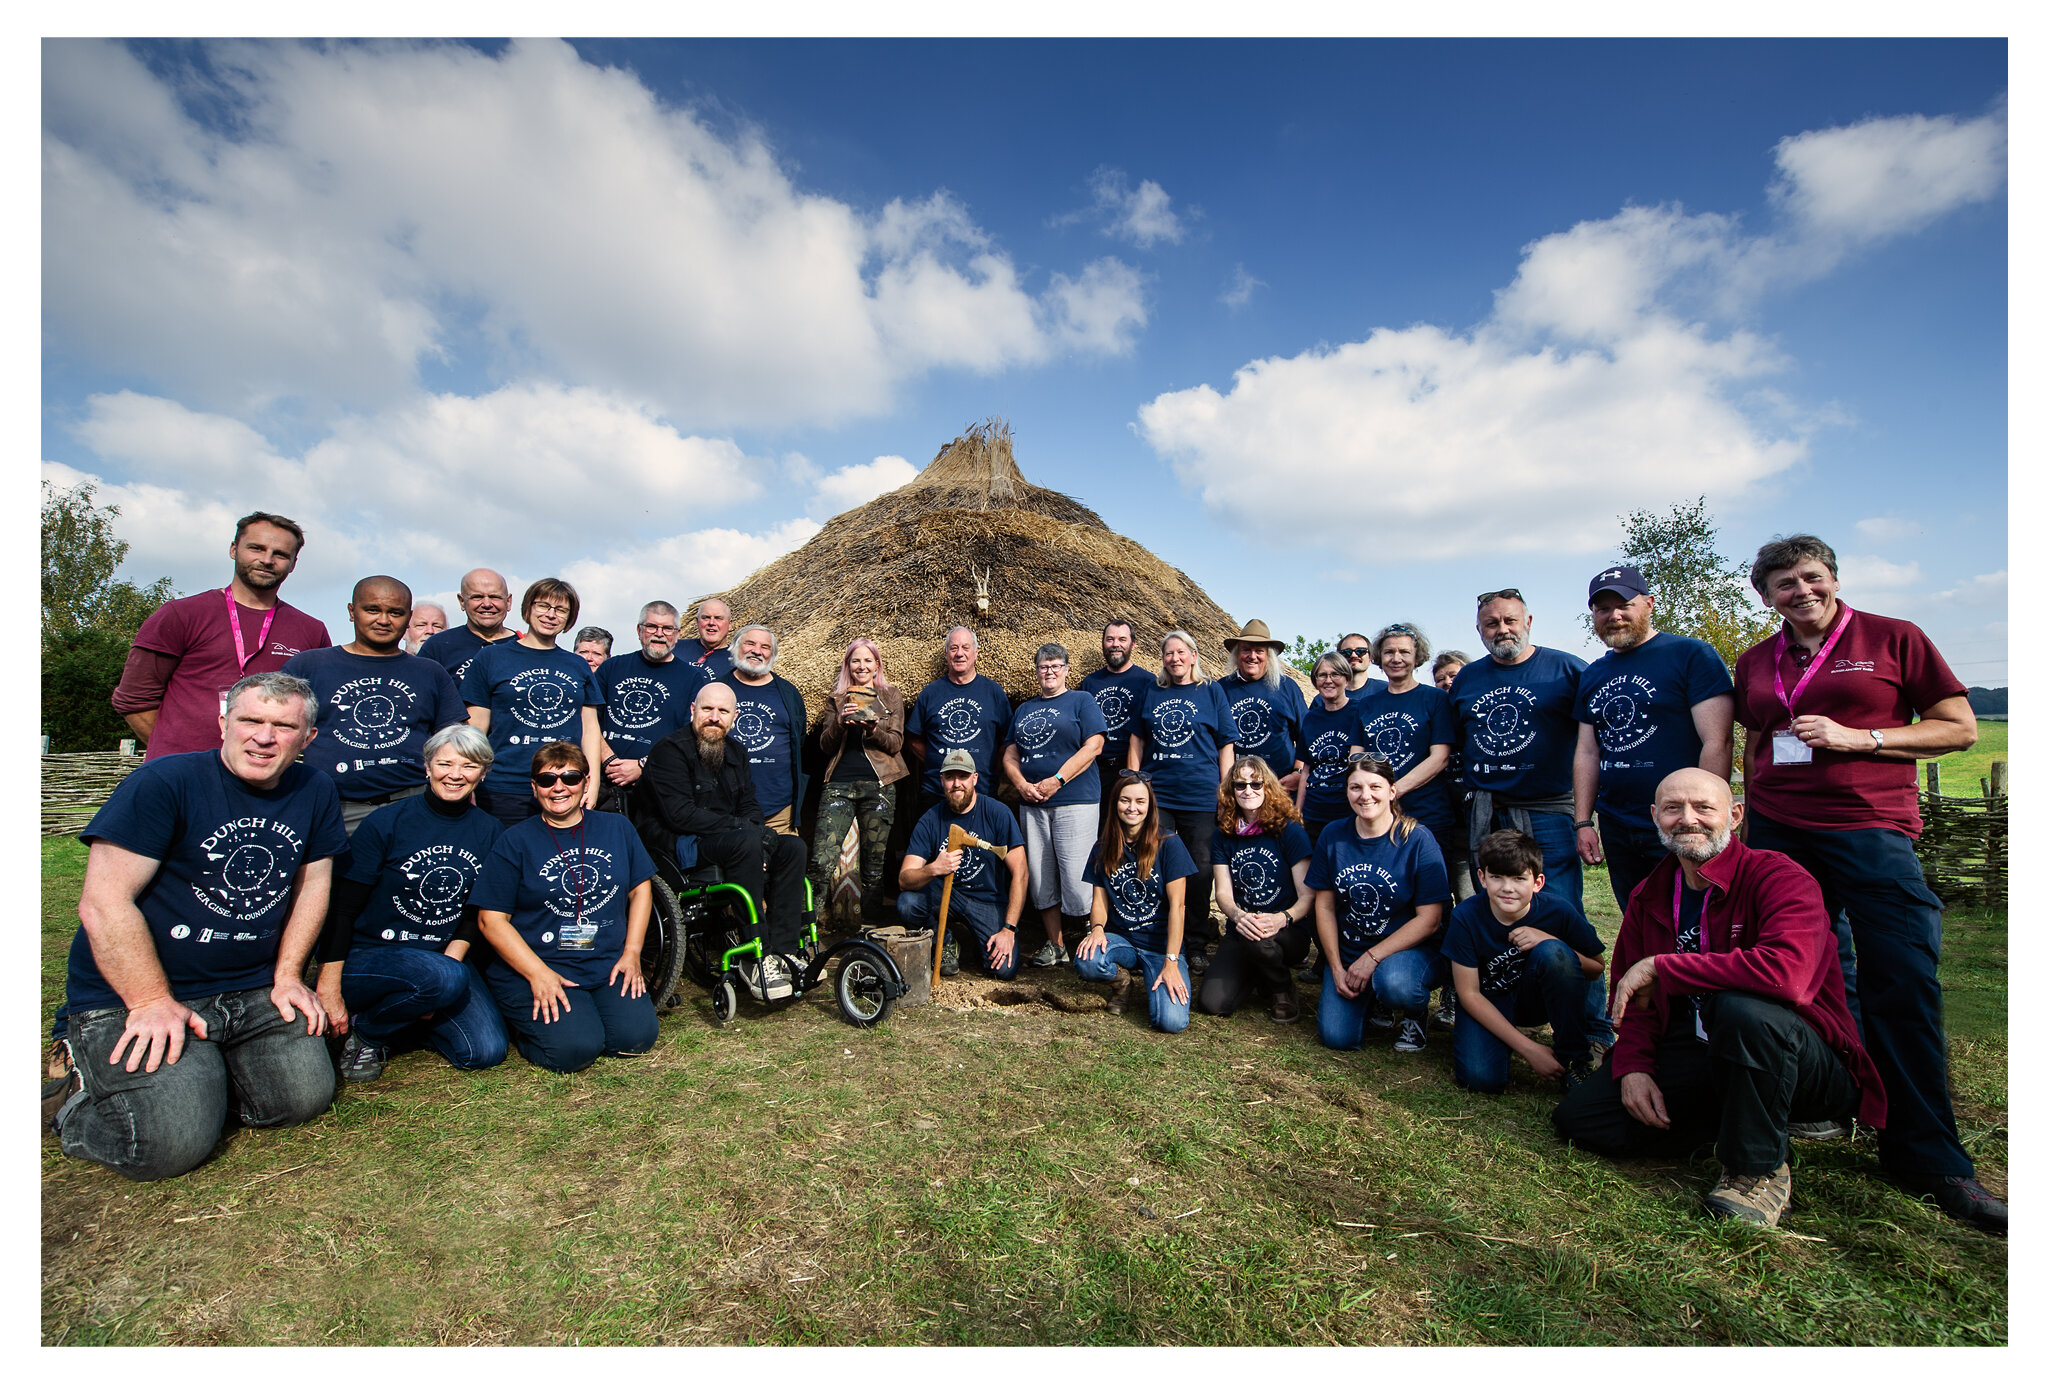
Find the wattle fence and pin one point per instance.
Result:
(1963, 842)
(76, 785)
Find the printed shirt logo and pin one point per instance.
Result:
(1367, 892)
(1136, 900)
(1504, 971)
(371, 713)
(1621, 714)
(754, 728)
(438, 879)
(1254, 722)
(1853, 665)
(588, 876)
(1035, 728)
(250, 861)
(1327, 754)
(973, 864)
(1255, 876)
(1390, 735)
(638, 703)
(543, 698)
(958, 721)
(1504, 721)
(1173, 722)
(1115, 705)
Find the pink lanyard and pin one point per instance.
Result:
(1785, 642)
(242, 657)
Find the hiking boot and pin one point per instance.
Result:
(1286, 1007)
(1048, 955)
(1960, 1198)
(1819, 1130)
(775, 978)
(59, 1062)
(57, 1091)
(1446, 1009)
(949, 958)
(1120, 992)
(362, 1060)
(1599, 1054)
(1379, 1015)
(1411, 1037)
(1758, 1199)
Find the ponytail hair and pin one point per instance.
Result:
(1404, 824)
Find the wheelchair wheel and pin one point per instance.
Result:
(724, 1002)
(661, 953)
(862, 989)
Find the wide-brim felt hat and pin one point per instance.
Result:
(1255, 631)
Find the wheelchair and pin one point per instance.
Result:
(695, 930)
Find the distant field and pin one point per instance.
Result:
(1960, 772)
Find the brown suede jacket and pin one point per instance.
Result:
(883, 741)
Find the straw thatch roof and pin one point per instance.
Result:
(903, 569)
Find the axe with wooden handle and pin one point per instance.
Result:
(957, 838)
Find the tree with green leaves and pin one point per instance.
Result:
(1699, 592)
(1304, 654)
(89, 619)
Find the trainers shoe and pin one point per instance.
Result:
(949, 959)
(56, 1092)
(1819, 1130)
(751, 979)
(1286, 1007)
(1311, 967)
(59, 1062)
(1960, 1198)
(1050, 954)
(362, 1060)
(1198, 960)
(1411, 1037)
(775, 978)
(1757, 1199)
(1576, 1073)
(1599, 1054)
(1446, 1009)
(1379, 1015)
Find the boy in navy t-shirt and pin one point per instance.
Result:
(1519, 957)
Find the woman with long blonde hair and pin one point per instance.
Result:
(862, 731)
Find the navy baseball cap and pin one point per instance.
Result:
(1623, 581)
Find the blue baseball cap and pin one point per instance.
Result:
(1623, 581)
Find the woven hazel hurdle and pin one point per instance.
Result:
(1962, 845)
(77, 785)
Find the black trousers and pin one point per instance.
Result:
(1242, 968)
(1761, 1069)
(770, 867)
(1197, 829)
(1632, 852)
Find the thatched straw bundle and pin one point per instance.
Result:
(906, 567)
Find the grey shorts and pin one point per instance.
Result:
(1056, 845)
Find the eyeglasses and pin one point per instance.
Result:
(661, 628)
(546, 608)
(1354, 653)
(547, 778)
(1505, 593)
(1133, 775)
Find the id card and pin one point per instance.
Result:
(1788, 748)
(577, 937)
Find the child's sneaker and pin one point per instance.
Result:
(1379, 1015)
(362, 1060)
(1411, 1037)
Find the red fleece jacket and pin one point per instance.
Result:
(1765, 931)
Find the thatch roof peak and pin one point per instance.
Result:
(979, 461)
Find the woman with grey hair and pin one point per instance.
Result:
(593, 645)
(1331, 734)
(1050, 760)
(1185, 739)
(393, 974)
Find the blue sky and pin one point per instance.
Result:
(1346, 330)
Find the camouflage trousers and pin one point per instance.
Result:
(840, 805)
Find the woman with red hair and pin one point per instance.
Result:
(863, 734)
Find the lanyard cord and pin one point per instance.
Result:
(578, 895)
(243, 657)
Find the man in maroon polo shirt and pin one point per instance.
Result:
(191, 650)
(1830, 702)
(1728, 1011)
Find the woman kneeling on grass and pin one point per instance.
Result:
(393, 971)
(1380, 897)
(1260, 854)
(563, 894)
(1139, 915)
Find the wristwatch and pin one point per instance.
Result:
(1877, 738)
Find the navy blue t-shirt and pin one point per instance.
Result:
(1185, 729)
(1639, 704)
(1379, 882)
(1328, 737)
(566, 893)
(1475, 937)
(1516, 723)
(228, 854)
(713, 665)
(983, 873)
(1262, 866)
(1118, 695)
(421, 865)
(1268, 720)
(946, 715)
(644, 703)
(1049, 730)
(455, 648)
(536, 696)
(762, 727)
(1402, 729)
(1137, 907)
(376, 715)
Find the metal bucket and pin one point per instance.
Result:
(912, 952)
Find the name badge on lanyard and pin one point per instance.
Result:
(1786, 747)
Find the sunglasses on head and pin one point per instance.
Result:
(547, 777)
(1400, 629)
(1133, 775)
(1505, 593)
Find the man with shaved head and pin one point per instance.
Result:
(428, 619)
(484, 598)
(378, 703)
(710, 650)
(696, 802)
(1729, 1011)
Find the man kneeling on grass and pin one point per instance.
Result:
(1519, 956)
(1729, 1012)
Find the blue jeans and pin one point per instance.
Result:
(406, 996)
(978, 917)
(1168, 1013)
(1402, 982)
(266, 1070)
(1887, 919)
(600, 1022)
(1552, 990)
(1632, 852)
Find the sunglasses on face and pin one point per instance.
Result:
(547, 777)
(1249, 787)
(1354, 652)
(1505, 593)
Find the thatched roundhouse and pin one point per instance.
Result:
(906, 567)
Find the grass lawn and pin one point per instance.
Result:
(1010, 1166)
(1960, 772)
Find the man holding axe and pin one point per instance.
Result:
(965, 868)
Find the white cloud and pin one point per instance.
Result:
(1989, 589)
(369, 208)
(1886, 176)
(683, 567)
(1614, 363)
(1889, 530)
(1143, 215)
(1239, 293)
(854, 485)
(1101, 312)
(1866, 573)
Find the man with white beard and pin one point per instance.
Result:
(770, 724)
(1729, 1012)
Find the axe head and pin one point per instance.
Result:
(958, 836)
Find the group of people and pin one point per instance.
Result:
(376, 811)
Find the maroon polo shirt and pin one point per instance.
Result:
(194, 630)
(1881, 673)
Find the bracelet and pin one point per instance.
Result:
(1585, 825)
(1062, 777)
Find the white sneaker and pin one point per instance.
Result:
(775, 978)
(751, 979)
